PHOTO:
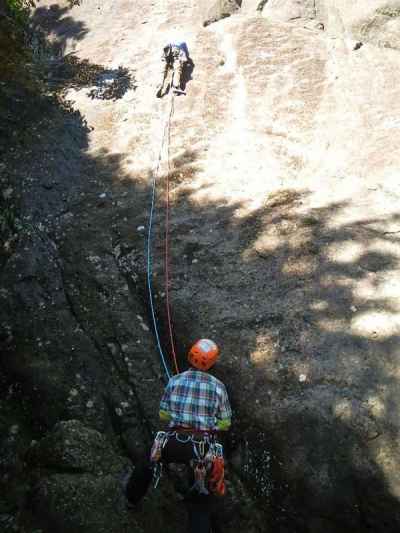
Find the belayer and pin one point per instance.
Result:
(176, 60)
(195, 406)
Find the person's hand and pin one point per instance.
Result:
(224, 424)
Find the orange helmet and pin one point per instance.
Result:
(203, 354)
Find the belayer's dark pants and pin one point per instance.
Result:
(174, 451)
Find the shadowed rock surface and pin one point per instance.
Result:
(285, 227)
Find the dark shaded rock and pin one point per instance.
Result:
(221, 9)
(70, 503)
(77, 485)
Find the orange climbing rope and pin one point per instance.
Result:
(167, 230)
(156, 174)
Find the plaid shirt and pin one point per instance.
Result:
(196, 399)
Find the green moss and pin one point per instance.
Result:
(310, 221)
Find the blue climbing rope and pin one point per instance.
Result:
(150, 274)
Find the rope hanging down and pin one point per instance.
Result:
(166, 262)
(156, 172)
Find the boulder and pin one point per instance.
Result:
(73, 447)
(76, 483)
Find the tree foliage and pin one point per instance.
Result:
(19, 9)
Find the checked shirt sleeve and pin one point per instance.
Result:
(166, 397)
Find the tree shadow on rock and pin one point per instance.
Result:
(112, 84)
(296, 298)
(68, 71)
(57, 26)
(315, 374)
(103, 83)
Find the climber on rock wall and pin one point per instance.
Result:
(176, 60)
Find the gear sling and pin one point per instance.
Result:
(201, 452)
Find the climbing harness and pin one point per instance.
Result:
(155, 174)
(207, 464)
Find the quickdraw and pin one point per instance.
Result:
(157, 473)
(160, 441)
(209, 468)
(200, 474)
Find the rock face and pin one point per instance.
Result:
(79, 485)
(382, 28)
(221, 9)
(288, 10)
(283, 163)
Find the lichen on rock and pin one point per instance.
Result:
(221, 9)
(382, 27)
